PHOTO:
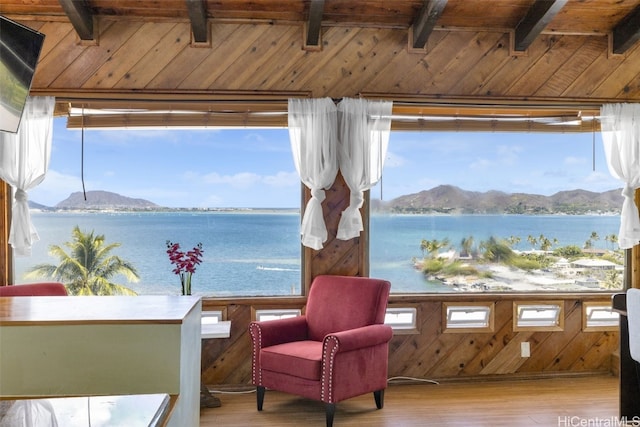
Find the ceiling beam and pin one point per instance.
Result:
(80, 16)
(316, 10)
(537, 18)
(627, 32)
(198, 16)
(426, 21)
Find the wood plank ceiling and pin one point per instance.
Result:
(447, 64)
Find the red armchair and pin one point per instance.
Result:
(34, 289)
(337, 350)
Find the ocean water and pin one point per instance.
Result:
(256, 253)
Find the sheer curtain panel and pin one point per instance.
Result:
(24, 160)
(364, 128)
(313, 134)
(620, 125)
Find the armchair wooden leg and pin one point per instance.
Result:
(379, 397)
(331, 410)
(259, 397)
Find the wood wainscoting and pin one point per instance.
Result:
(429, 353)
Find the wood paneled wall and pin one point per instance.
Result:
(430, 353)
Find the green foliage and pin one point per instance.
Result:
(466, 246)
(88, 266)
(569, 252)
(613, 280)
(433, 246)
(496, 250)
(614, 257)
(525, 263)
(486, 274)
(432, 265)
(446, 267)
(457, 268)
(536, 259)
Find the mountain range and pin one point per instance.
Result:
(445, 199)
(450, 199)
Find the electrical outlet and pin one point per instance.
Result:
(525, 349)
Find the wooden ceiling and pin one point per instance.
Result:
(447, 64)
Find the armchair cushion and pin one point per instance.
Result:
(300, 358)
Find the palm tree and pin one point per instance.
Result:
(496, 250)
(467, 246)
(433, 246)
(88, 267)
(425, 245)
(613, 238)
(546, 244)
(514, 240)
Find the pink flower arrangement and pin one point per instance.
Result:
(185, 263)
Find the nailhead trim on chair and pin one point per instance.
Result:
(255, 355)
(329, 386)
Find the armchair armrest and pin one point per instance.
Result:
(366, 336)
(272, 332)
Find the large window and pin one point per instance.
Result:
(496, 212)
(454, 212)
(234, 191)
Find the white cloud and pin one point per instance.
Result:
(601, 181)
(508, 154)
(56, 187)
(244, 180)
(282, 179)
(481, 164)
(572, 160)
(239, 180)
(254, 136)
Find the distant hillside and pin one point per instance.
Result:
(37, 206)
(451, 199)
(103, 200)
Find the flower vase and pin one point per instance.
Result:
(185, 280)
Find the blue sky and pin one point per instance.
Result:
(254, 167)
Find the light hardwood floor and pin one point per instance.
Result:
(560, 402)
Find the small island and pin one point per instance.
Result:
(493, 266)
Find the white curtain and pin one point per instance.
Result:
(24, 160)
(620, 125)
(313, 135)
(364, 128)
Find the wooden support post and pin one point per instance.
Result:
(6, 262)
